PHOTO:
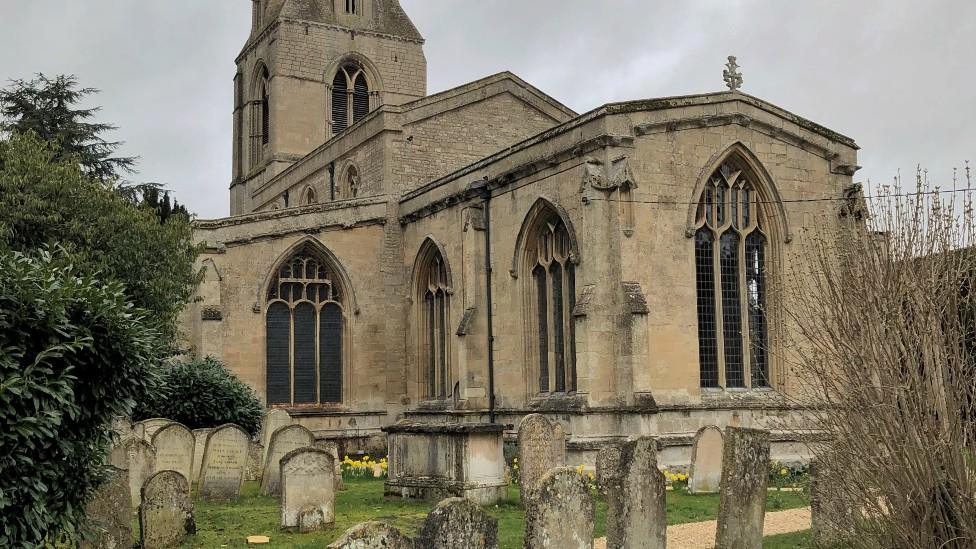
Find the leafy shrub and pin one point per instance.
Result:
(203, 393)
(73, 354)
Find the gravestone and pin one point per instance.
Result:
(224, 459)
(199, 444)
(255, 453)
(333, 449)
(138, 457)
(458, 522)
(174, 445)
(139, 430)
(830, 521)
(634, 488)
(559, 512)
(745, 474)
(372, 535)
(150, 426)
(273, 420)
(109, 514)
(705, 475)
(284, 440)
(123, 430)
(166, 513)
(307, 489)
(541, 446)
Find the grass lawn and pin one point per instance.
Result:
(227, 524)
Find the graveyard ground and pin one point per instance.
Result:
(227, 524)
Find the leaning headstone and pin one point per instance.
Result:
(830, 522)
(138, 457)
(174, 449)
(559, 512)
(333, 449)
(634, 488)
(372, 535)
(150, 426)
(458, 522)
(273, 420)
(199, 444)
(166, 513)
(705, 475)
(255, 453)
(307, 489)
(541, 446)
(284, 440)
(109, 514)
(224, 459)
(745, 474)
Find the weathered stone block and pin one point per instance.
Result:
(224, 459)
(109, 514)
(138, 457)
(745, 475)
(634, 488)
(282, 441)
(307, 489)
(542, 446)
(705, 475)
(166, 513)
(373, 535)
(559, 512)
(458, 522)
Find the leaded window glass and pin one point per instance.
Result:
(553, 284)
(730, 282)
(304, 326)
(433, 287)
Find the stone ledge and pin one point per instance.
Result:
(450, 428)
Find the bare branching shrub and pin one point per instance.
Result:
(884, 356)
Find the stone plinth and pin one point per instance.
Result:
(440, 460)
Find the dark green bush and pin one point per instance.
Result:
(73, 354)
(203, 393)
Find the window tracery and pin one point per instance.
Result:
(350, 97)
(434, 302)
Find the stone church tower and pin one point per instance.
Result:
(309, 69)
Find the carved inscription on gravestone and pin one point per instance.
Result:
(542, 446)
(224, 460)
(174, 449)
(284, 440)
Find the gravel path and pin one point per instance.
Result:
(701, 535)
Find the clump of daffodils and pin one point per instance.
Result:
(675, 477)
(364, 467)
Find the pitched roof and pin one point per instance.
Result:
(388, 16)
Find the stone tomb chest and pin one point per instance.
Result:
(439, 460)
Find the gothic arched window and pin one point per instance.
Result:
(304, 332)
(348, 185)
(434, 311)
(730, 264)
(260, 122)
(309, 197)
(350, 97)
(552, 277)
(265, 111)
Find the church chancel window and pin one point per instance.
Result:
(434, 311)
(304, 333)
(552, 284)
(730, 263)
(350, 97)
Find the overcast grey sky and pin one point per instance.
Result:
(897, 76)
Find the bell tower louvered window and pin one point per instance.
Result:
(730, 255)
(304, 333)
(553, 290)
(350, 97)
(434, 312)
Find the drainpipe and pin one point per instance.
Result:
(482, 185)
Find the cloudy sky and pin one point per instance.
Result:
(895, 75)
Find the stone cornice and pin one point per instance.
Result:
(245, 219)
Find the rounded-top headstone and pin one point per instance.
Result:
(166, 513)
(458, 522)
(372, 535)
(541, 446)
(273, 420)
(150, 426)
(174, 444)
(109, 514)
(705, 475)
(307, 489)
(224, 460)
(559, 512)
(284, 440)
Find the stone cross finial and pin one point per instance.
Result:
(732, 76)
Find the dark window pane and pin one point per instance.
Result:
(558, 324)
(720, 205)
(330, 354)
(731, 310)
(304, 354)
(442, 344)
(360, 99)
(278, 337)
(735, 207)
(709, 200)
(539, 273)
(705, 286)
(571, 291)
(745, 207)
(756, 287)
(431, 345)
(340, 103)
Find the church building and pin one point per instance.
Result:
(485, 252)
